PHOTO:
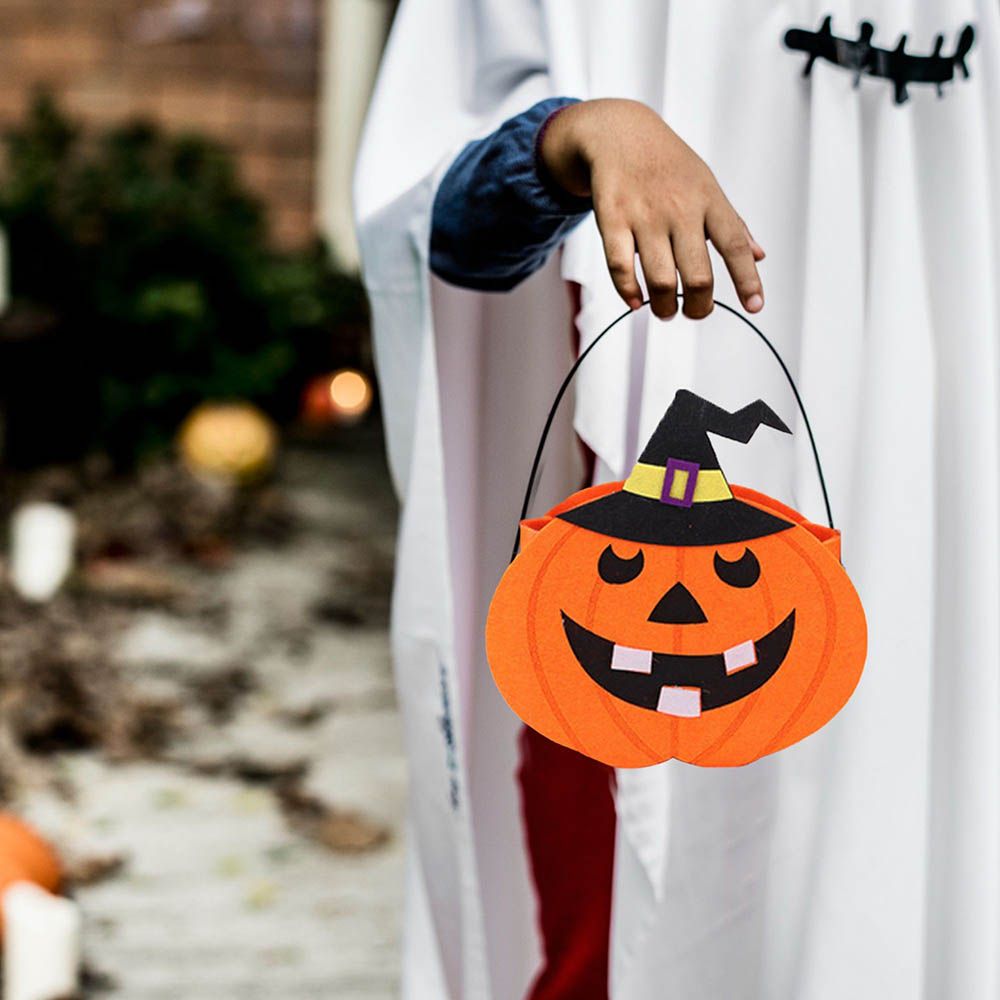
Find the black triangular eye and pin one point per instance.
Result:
(614, 569)
(744, 572)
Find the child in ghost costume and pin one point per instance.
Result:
(862, 862)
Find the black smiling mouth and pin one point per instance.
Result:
(674, 684)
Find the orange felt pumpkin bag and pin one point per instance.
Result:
(674, 615)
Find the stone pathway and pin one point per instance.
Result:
(223, 894)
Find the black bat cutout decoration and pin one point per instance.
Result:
(865, 59)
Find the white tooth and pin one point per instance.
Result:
(739, 657)
(684, 702)
(635, 661)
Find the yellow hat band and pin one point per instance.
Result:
(647, 481)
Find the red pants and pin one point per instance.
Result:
(569, 820)
(569, 824)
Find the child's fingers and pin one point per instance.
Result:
(731, 238)
(691, 254)
(660, 272)
(758, 250)
(619, 250)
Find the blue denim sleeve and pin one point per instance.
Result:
(497, 216)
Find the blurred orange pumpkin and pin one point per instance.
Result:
(234, 441)
(25, 857)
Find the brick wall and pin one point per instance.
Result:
(242, 71)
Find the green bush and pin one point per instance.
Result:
(146, 268)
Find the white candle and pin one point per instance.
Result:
(41, 944)
(43, 536)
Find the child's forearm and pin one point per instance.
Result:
(497, 215)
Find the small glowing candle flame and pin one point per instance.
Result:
(342, 397)
(350, 393)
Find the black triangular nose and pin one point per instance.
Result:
(678, 607)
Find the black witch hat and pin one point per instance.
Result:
(677, 494)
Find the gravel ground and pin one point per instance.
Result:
(261, 848)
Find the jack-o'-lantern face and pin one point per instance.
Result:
(716, 654)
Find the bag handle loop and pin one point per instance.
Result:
(567, 381)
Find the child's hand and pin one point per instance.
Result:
(654, 196)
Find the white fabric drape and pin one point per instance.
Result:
(864, 862)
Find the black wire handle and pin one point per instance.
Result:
(579, 361)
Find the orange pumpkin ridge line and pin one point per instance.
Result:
(741, 717)
(595, 593)
(768, 603)
(727, 735)
(827, 654)
(532, 615)
(633, 737)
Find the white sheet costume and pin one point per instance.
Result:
(864, 862)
